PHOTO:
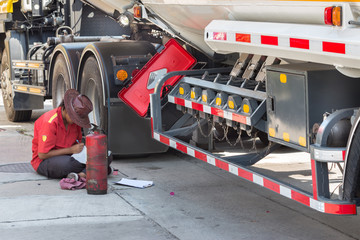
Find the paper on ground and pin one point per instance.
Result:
(81, 156)
(135, 183)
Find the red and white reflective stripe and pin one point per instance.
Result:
(211, 110)
(286, 41)
(283, 190)
(329, 155)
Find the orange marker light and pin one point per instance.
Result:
(137, 12)
(121, 75)
(336, 16)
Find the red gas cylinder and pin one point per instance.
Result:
(96, 166)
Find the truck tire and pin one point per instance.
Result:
(352, 172)
(6, 87)
(60, 80)
(91, 86)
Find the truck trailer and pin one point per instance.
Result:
(200, 77)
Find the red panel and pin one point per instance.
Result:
(299, 43)
(344, 155)
(245, 174)
(201, 156)
(173, 58)
(334, 47)
(222, 165)
(217, 112)
(181, 147)
(239, 118)
(269, 40)
(180, 101)
(164, 140)
(197, 106)
(243, 37)
(271, 185)
(313, 172)
(340, 209)
(299, 197)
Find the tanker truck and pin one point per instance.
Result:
(204, 77)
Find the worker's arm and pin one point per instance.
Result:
(63, 151)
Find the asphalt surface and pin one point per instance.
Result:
(190, 200)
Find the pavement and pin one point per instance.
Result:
(190, 200)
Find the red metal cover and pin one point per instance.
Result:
(173, 58)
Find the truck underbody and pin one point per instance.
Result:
(290, 81)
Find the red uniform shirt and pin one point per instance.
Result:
(50, 133)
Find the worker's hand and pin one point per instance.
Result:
(77, 148)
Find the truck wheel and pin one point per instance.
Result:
(6, 87)
(352, 172)
(60, 80)
(91, 86)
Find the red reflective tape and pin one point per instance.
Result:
(179, 101)
(299, 43)
(239, 118)
(219, 36)
(222, 165)
(164, 140)
(243, 37)
(344, 154)
(217, 112)
(201, 156)
(299, 197)
(245, 174)
(197, 106)
(269, 40)
(334, 47)
(271, 185)
(181, 147)
(340, 209)
(314, 182)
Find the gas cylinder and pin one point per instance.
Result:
(96, 165)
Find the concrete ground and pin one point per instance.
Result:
(207, 202)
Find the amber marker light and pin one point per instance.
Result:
(336, 16)
(121, 75)
(137, 12)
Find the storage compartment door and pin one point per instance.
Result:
(286, 109)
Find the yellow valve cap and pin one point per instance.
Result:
(231, 104)
(121, 75)
(192, 95)
(246, 108)
(181, 91)
(218, 101)
(204, 98)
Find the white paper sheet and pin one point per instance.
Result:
(135, 183)
(81, 156)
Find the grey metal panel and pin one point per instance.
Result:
(132, 132)
(289, 115)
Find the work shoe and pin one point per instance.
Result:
(73, 175)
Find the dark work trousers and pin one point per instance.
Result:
(60, 166)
